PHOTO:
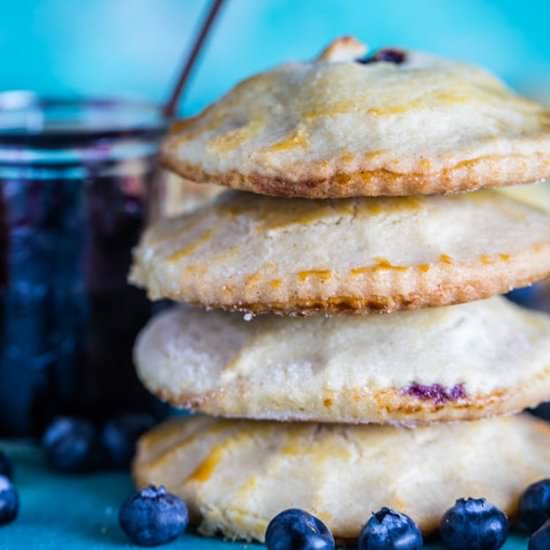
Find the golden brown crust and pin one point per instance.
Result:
(467, 175)
(345, 48)
(475, 284)
(385, 406)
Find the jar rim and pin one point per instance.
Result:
(27, 119)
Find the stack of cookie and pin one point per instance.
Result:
(319, 395)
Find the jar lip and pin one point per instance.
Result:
(51, 122)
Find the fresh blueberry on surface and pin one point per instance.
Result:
(473, 524)
(120, 434)
(534, 506)
(388, 55)
(6, 468)
(390, 530)
(9, 501)
(71, 445)
(540, 540)
(295, 529)
(153, 516)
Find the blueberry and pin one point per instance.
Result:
(389, 530)
(153, 516)
(525, 296)
(295, 529)
(120, 434)
(6, 468)
(71, 445)
(540, 540)
(9, 501)
(473, 524)
(542, 411)
(534, 505)
(387, 55)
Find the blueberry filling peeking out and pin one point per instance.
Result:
(436, 392)
(388, 55)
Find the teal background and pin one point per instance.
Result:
(133, 47)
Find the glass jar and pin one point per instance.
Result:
(74, 176)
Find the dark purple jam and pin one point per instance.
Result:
(72, 206)
(436, 392)
(387, 55)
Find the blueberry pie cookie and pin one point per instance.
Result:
(395, 122)
(236, 475)
(257, 254)
(442, 364)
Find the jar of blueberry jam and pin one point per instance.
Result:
(73, 182)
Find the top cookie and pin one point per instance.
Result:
(343, 125)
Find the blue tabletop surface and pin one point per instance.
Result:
(81, 512)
